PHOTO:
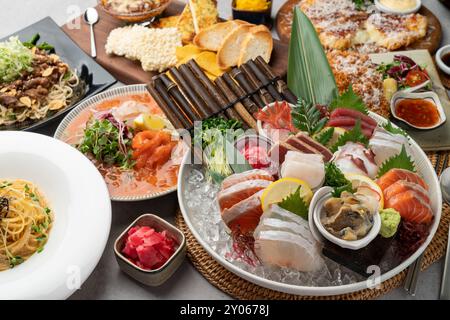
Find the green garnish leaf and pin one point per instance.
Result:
(360, 4)
(324, 136)
(40, 249)
(295, 204)
(400, 161)
(101, 140)
(390, 128)
(349, 100)
(14, 261)
(354, 135)
(307, 117)
(336, 179)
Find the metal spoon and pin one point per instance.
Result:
(444, 180)
(91, 18)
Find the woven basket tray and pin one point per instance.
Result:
(239, 288)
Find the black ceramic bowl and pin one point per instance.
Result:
(255, 17)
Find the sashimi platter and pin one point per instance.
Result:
(322, 199)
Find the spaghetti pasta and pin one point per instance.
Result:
(25, 222)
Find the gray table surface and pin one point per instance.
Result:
(107, 281)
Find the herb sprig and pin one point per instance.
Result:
(336, 179)
(307, 117)
(295, 204)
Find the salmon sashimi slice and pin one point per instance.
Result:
(240, 191)
(403, 186)
(244, 176)
(395, 175)
(245, 215)
(411, 207)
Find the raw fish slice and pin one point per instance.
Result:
(384, 149)
(304, 157)
(403, 186)
(394, 175)
(348, 122)
(285, 249)
(327, 154)
(344, 112)
(276, 212)
(271, 224)
(312, 173)
(244, 176)
(278, 152)
(244, 215)
(240, 191)
(411, 207)
(382, 134)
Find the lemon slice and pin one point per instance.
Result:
(366, 186)
(282, 188)
(149, 122)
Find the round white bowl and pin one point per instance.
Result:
(439, 54)
(80, 202)
(385, 9)
(424, 167)
(317, 206)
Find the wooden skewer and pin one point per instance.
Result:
(173, 118)
(173, 107)
(245, 115)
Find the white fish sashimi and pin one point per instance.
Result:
(386, 145)
(304, 167)
(384, 149)
(355, 158)
(271, 224)
(285, 249)
(276, 212)
(129, 110)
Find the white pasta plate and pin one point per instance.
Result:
(202, 225)
(79, 199)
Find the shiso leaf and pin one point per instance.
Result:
(354, 135)
(400, 161)
(349, 100)
(310, 75)
(307, 117)
(324, 136)
(394, 130)
(295, 204)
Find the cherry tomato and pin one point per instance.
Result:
(416, 77)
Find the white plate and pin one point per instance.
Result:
(137, 89)
(424, 168)
(80, 201)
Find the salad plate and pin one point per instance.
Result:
(207, 225)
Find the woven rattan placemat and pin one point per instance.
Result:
(239, 288)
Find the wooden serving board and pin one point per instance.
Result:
(430, 42)
(130, 72)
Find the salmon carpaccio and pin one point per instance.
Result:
(407, 192)
(240, 200)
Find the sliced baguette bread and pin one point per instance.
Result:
(212, 37)
(229, 52)
(258, 42)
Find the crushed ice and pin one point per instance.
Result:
(204, 211)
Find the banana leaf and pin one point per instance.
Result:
(309, 73)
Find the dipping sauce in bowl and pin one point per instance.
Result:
(421, 113)
(446, 59)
